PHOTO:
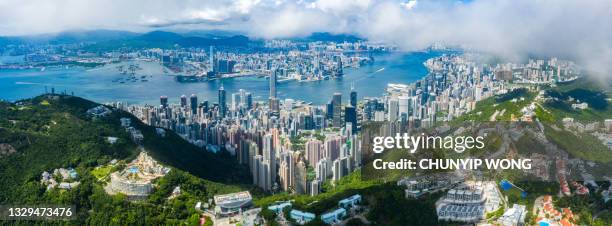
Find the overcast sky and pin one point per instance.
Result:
(580, 29)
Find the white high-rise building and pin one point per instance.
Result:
(315, 187)
(336, 170)
(404, 105)
(269, 154)
(321, 169)
(393, 110)
(235, 101)
(340, 168)
(286, 170)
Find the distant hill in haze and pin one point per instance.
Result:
(69, 37)
(101, 40)
(165, 39)
(329, 37)
(88, 36)
(109, 39)
(208, 33)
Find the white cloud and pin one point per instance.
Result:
(341, 6)
(290, 22)
(245, 6)
(575, 29)
(207, 14)
(409, 4)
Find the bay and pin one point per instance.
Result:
(100, 84)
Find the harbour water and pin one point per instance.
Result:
(100, 84)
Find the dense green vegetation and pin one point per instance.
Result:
(51, 132)
(386, 202)
(390, 207)
(585, 207)
(510, 103)
(584, 90)
(528, 144)
(533, 189)
(514, 94)
(345, 187)
(589, 147)
(48, 137)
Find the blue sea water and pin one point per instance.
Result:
(97, 84)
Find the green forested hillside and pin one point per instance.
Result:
(48, 132)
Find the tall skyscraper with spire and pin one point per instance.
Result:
(222, 102)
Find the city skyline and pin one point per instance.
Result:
(306, 112)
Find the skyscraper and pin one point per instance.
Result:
(339, 70)
(332, 147)
(163, 100)
(267, 182)
(270, 155)
(222, 102)
(315, 187)
(183, 100)
(286, 171)
(350, 116)
(273, 101)
(235, 101)
(393, 109)
(243, 152)
(314, 149)
(211, 60)
(337, 107)
(353, 95)
(242, 102)
(273, 84)
(205, 106)
(284, 175)
(249, 100)
(300, 178)
(321, 169)
(337, 170)
(340, 168)
(193, 103)
(256, 168)
(403, 105)
(329, 110)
